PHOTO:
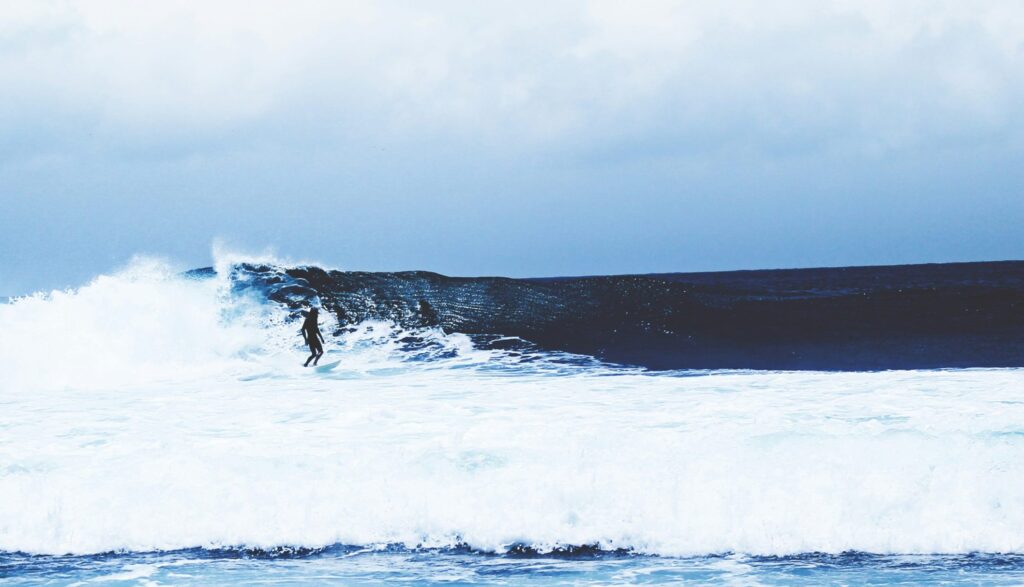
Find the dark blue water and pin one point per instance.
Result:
(956, 315)
(352, 565)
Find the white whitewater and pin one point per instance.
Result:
(171, 414)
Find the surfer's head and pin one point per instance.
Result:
(314, 311)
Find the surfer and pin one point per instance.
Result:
(312, 336)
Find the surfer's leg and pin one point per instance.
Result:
(311, 357)
(317, 349)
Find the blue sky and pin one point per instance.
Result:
(526, 138)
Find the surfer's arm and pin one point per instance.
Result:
(318, 333)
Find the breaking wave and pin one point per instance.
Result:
(155, 410)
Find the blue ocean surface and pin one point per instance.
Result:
(360, 566)
(174, 438)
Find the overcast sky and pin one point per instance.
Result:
(515, 138)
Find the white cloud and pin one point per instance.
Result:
(865, 75)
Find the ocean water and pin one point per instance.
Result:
(171, 436)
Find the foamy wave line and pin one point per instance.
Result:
(779, 463)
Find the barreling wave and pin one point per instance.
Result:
(150, 322)
(859, 318)
(870, 318)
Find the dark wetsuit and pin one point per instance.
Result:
(311, 331)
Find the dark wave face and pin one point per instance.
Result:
(854, 318)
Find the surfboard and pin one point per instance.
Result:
(327, 367)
